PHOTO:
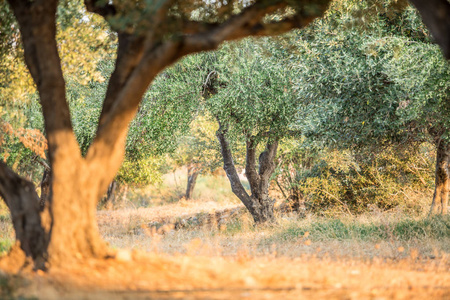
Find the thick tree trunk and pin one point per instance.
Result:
(76, 183)
(259, 204)
(442, 176)
(76, 192)
(23, 203)
(193, 172)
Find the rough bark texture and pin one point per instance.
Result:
(23, 203)
(193, 172)
(442, 178)
(259, 204)
(436, 15)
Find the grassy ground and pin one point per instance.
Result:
(393, 234)
(376, 255)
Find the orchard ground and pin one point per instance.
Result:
(208, 249)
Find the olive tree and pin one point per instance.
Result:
(247, 88)
(388, 84)
(151, 36)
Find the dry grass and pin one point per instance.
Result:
(366, 237)
(377, 255)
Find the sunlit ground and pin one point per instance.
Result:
(208, 248)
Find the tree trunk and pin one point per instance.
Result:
(108, 200)
(440, 197)
(296, 200)
(76, 188)
(259, 204)
(45, 187)
(193, 172)
(23, 203)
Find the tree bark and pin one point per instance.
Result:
(23, 202)
(442, 179)
(259, 204)
(193, 172)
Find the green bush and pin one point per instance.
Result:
(148, 170)
(354, 182)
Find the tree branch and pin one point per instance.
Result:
(250, 22)
(129, 55)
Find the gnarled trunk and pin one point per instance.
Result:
(440, 197)
(193, 172)
(259, 204)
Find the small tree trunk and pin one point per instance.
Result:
(193, 172)
(259, 185)
(440, 197)
(108, 200)
(296, 200)
(45, 187)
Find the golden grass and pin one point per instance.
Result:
(377, 255)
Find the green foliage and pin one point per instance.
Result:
(5, 245)
(371, 84)
(143, 171)
(385, 84)
(200, 148)
(355, 182)
(165, 114)
(405, 229)
(253, 93)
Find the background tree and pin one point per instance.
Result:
(151, 36)
(198, 151)
(247, 89)
(387, 85)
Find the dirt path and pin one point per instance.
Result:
(135, 274)
(139, 275)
